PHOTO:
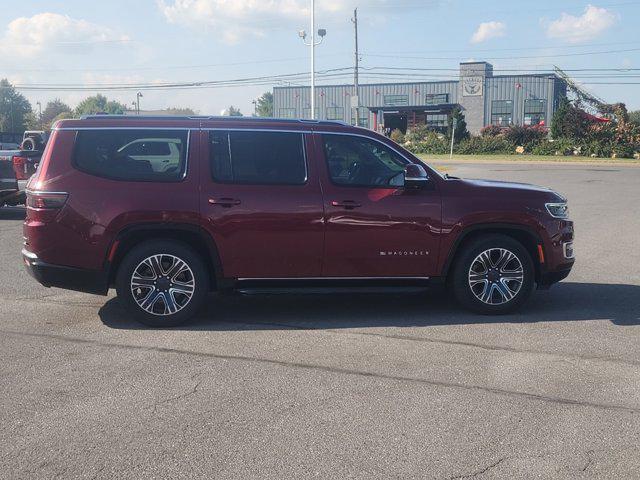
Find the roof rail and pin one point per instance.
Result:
(103, 116)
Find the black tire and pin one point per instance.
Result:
(494, 286)
(158, 312)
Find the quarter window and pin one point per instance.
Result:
(257, 158)
(535, 111)
(502, 113)
(132, 155)
(359, 161)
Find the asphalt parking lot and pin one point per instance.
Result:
(366, 385)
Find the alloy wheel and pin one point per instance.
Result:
(496, 276)
(162, 284)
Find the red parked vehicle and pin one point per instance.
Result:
(167, 209)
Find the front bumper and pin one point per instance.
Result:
(69, 278)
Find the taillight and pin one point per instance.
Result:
(46, 200)
(20, 167)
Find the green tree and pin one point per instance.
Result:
(180, 111)
(99, 104)
(559, 117)
(51, 112)
(634, 117)
(15, 109)
(461, 125)
(234, 112)
(264, 105)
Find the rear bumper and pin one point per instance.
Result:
(69, 278)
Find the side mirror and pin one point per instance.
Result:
(415, 176)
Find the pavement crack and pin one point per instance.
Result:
(337, 370)
(589, 460)
(188, 393)
(482, 471)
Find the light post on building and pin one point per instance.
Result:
(313, 43)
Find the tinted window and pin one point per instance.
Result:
(359, 161)
(132, 155)
(258, 158)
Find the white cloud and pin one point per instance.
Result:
(489, 30)
(238, 19)
(581, 29)
(31, 36)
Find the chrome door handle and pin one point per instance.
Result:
(224, 202)
(347, 204)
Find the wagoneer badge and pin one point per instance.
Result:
(404, 253)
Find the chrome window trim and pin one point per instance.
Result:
(276, 130)
(124, 128)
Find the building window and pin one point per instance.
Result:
(363, 118)
(437, 98)
(502, 113)
(287, 113)
(257, 158)
(335, 113)
(535, 111)
(436, 120)
(396, 100)
(306, 113)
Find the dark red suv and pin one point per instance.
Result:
(167, 209)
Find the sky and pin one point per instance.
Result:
(67, 45)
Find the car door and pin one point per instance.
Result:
(374, 226)
(261, 201)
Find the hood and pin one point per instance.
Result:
(510, 188)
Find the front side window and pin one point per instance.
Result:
(132, 155)
(257, 158)
(502, 113)
(362, 162)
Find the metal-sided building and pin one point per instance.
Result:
(486, 99)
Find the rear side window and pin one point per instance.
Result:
(257, 158)
(132, 155)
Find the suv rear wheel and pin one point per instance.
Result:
(163, 283)
(494, 275)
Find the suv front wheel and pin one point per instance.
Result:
(163, 283)
(494, 275)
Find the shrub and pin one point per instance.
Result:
(561, 146)
(431, 143)
(485, 145)
(525, 136)
(491, 131)
(397, 136)
(417, 134)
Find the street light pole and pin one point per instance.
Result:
(138, 95)
(313, 59)
(321, 33)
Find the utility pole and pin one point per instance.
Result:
(356, 67)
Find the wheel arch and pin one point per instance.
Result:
(192, 235)
(522, 234)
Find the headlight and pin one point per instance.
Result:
(557, 210)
